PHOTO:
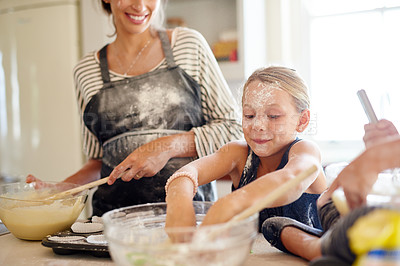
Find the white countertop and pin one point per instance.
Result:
(17, 252)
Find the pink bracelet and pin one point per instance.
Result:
(182, 174)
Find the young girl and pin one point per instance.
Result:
(275, 106)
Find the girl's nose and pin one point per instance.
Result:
(260, 123)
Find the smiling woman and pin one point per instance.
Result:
(150, 101)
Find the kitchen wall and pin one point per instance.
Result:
(39, 122)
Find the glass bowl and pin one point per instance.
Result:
(27, 215)
(136, 235)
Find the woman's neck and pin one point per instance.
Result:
(130, 45)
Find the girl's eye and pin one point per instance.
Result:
(249, 116)
(274, 116)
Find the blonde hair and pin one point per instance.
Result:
(285, 79)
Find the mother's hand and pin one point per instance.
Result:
(145, 161)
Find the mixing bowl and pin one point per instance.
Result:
(28, 215)
(137, 235)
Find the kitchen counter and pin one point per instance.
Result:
(17, 252)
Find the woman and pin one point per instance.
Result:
(151, 101)
(275, 109)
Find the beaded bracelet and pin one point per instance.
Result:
(182, 174)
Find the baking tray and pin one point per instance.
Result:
(73, 247)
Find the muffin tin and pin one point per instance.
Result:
(61, 247)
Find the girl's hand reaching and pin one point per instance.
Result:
(180, 216)
(225, 208)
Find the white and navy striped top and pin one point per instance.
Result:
(192, 53)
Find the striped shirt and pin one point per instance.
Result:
(192, 53)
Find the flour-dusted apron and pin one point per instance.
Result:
(128, 113)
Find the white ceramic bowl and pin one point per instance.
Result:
(27, 216)
(136, 235)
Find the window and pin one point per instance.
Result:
(353, 45)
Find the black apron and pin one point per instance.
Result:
(128, 113)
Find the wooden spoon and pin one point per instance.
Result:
(75, 190)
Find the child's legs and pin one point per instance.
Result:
(301, 243)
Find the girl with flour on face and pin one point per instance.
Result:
(275, 108)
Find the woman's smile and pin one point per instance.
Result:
(137, 19)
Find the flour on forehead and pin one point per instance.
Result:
(261, 95)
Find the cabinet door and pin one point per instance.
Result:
(213, 18)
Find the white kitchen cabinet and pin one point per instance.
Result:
(211, 17)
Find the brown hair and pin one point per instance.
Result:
(286, 79)
(106, 7)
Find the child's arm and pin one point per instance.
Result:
(180, 193)
(303, 155)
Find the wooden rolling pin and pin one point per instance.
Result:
(274, 195)
(259, 205)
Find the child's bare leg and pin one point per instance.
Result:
(301, 243)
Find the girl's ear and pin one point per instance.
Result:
(304, 119)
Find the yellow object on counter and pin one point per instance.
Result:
(379, 229)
